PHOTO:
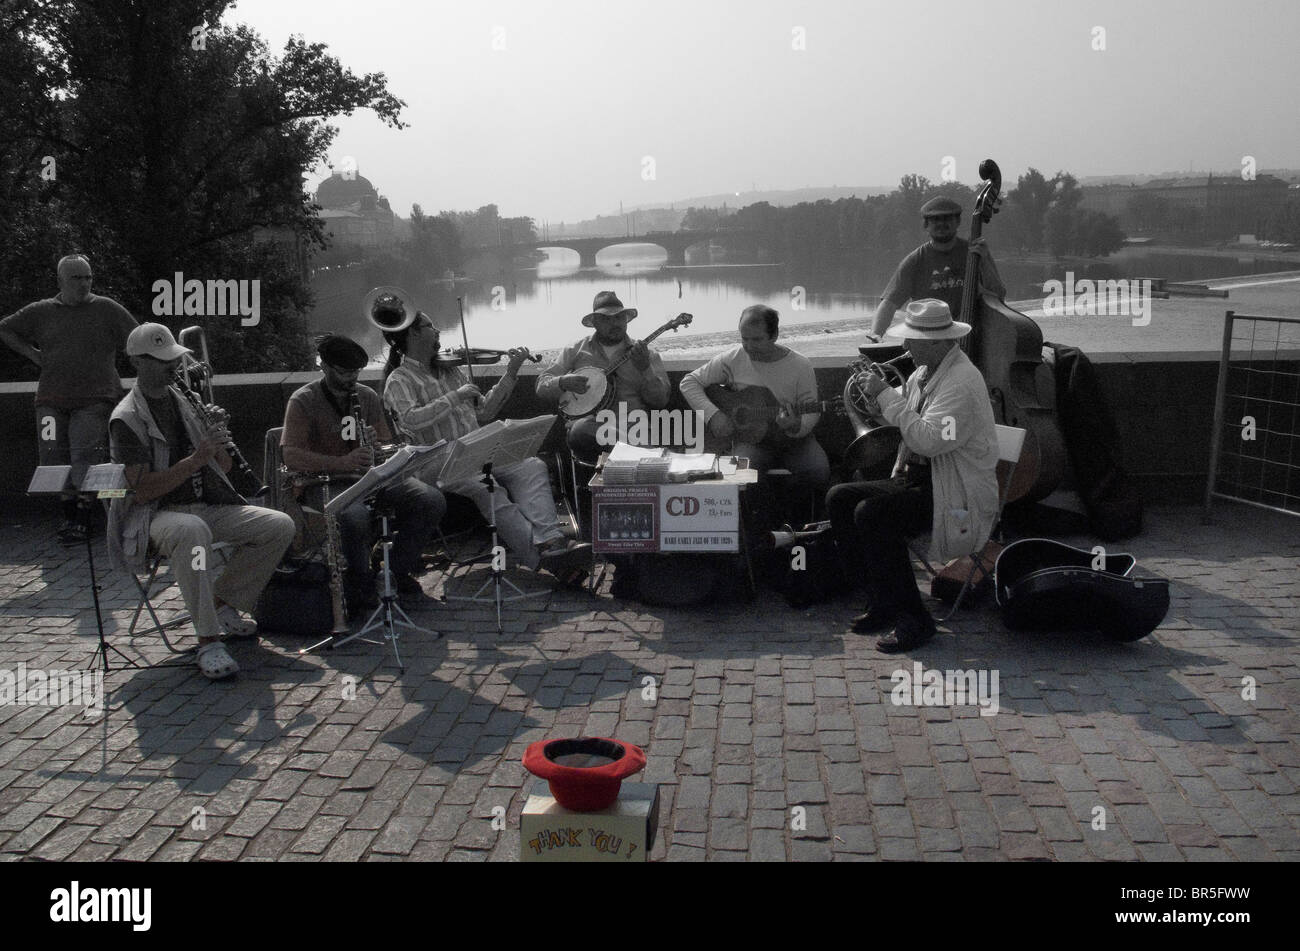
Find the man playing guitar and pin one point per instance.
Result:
(641, 382)
(760, 361)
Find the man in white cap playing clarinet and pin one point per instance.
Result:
(944, 478)
(180, 502)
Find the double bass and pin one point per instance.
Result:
(1007, 347)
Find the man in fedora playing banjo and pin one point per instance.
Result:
(641, 382)
(944, 477)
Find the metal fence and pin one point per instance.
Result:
(1255, 445)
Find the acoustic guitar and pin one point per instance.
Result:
(753, 411)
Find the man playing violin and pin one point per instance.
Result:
(181, 501)
(323, 437)
(431, 400)
(944, 477)
(761, 361)
(937, 269)
(641, 383)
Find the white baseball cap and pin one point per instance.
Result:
(154, 340)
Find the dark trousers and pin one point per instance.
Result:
(417, 510)
(872, 522)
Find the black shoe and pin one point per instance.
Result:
(875, 620)
(565, 561)
(407, 587)
(359, 591)
(909, 632)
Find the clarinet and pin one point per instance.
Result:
(358, 420)
(334, 558)
(241, 464)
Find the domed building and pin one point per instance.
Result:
(354, 212)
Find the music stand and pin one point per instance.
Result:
(407, 461)
(503, 442)
(104, 481)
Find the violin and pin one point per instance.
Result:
(1007, 347)
(482, 356)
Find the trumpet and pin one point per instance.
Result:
(196, 403)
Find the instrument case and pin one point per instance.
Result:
(1047, 585)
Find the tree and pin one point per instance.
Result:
(182, 145)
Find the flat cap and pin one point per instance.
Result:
(940, 206)
(342, 352)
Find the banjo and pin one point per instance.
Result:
(600, 382)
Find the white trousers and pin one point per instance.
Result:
(183, 534)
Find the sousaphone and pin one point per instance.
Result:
(389, 308)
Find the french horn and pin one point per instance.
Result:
(875, 441)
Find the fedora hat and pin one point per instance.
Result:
(929, 319)
(607, 304)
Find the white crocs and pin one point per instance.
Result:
(234, 624)
(215, 661)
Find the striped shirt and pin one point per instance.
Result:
(428, 408)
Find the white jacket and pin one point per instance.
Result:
(957, 433)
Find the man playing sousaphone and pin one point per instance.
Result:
(641, 382)
(323, 436)
(431, 400)
(944, 477)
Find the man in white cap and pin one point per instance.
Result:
(180, 501)
(944, 477)
(641, 383)
(74, 337)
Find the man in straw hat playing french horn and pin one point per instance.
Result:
(943, 479)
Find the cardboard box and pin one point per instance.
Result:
(698, 517)
(624, 832)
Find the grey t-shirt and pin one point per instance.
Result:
(78, 347)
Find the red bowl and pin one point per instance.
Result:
(584, 774)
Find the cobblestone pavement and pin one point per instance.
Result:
(758, 709)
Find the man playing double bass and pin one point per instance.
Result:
(944, 477)
(937, 269)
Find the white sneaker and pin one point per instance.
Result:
(235, 624)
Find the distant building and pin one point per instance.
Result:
(1213, 206)
(354, 212)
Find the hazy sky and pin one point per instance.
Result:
(558, 124)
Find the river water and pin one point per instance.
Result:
(541, 307)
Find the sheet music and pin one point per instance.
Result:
(682, 463)
(391, 470)
(502, 442)
(106, 477)
(50, 480)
